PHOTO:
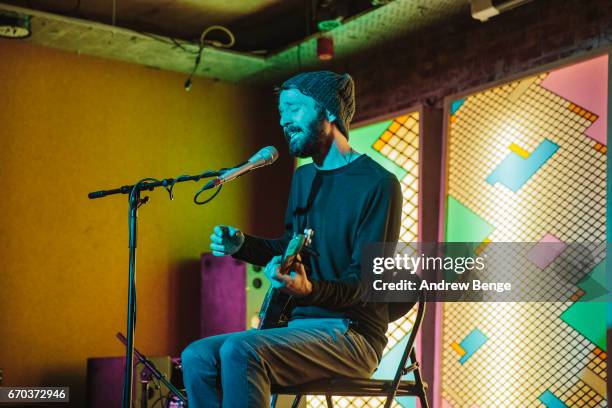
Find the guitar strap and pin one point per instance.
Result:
(302, 213)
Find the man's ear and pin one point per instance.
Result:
(330, 116)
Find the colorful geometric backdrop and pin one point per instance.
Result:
(526, 162)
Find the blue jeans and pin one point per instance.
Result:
(236, 370)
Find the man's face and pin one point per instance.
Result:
(303, 123)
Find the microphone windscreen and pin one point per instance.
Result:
(268, 154)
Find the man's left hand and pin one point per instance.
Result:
(295, 283)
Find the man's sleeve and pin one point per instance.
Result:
(259, 251)
(380, 222)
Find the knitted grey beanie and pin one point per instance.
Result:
(335, 92)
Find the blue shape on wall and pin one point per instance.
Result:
(471, 343)
(514, 171)
(551, 401)
(456, 104)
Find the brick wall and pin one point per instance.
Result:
(464, 53)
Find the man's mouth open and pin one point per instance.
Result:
(293, 134)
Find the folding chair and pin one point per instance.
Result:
(365, 387)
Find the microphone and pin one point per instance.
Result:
(264, 157)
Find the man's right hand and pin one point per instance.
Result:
(226, 240)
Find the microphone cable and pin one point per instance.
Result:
(200, 191)
(206, 187)
(214, 43)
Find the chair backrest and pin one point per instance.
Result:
(409, 350)
(399, 309)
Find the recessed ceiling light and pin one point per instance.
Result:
(14, 26)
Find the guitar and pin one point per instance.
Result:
(273, 312)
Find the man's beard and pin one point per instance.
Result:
(309, 141)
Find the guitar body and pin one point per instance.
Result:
(275, 308)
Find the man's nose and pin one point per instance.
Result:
(284, 121)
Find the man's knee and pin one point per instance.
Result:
(237, 348)
(188, 355)
(197, 353)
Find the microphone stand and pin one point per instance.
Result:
(134, 202)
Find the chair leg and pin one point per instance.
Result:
(330, 403)
(296, 401)
(423, 400)
(273, 401)
(389, 400)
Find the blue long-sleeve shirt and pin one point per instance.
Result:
(347, 208)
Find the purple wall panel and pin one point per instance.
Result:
(223, 295)
(105, 381)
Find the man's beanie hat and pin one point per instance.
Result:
(335, 92)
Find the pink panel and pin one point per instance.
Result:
(546, 250)
(585, 84)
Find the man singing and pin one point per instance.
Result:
(349, 200)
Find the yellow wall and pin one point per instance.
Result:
(70, 125)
